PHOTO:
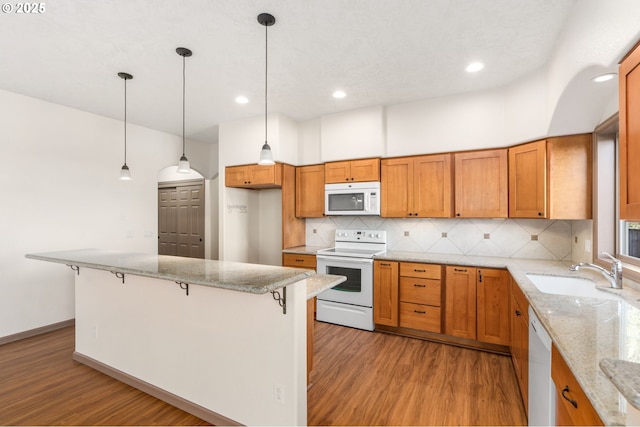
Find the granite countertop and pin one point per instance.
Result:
(321, 282)
(235, 276)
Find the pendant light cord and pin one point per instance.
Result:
(125, 121)
(266, 32)
(183, 101)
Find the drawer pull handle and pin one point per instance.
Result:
(518, 313)
(566, 390)
(419, 271)
(419, 312)
(386, 264)
(418, 285)
(299, 260)
(460, 270)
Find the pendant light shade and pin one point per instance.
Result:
(266, 155)
(183, 164)
(125, 173)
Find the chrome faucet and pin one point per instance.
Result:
(614, 276)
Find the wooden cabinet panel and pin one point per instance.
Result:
(385, 293)
(310, 191)
(254, 176)
(528, 180)
(396, 187)
(629, 145)
(425, 271)
(352, 171)
(570, 176)
(572, 405)
(520, 340)
(460, 302)
(433, 186)
(420, 291)
(417, 186)
(299, 261)
(481, 184)
(493, 301)
(421, 317)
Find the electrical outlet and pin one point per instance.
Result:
(278, 393)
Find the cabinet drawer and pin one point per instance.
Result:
(580, 412)
(426, 271)
(422, 317)
(420, 291)
(299, 261)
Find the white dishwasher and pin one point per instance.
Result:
(542, 393)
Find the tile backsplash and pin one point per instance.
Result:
(509, 238)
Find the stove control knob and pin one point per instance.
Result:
(378, 236)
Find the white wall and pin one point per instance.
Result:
(353, 134)
(251, 220)
(61, 191)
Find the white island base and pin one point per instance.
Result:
(225, 356)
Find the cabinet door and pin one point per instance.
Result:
(432, 186)
(235, 176)
(396, 187)
(385, 293)
(520, 340)
(493, 306)
(629, 146)
(365, 170)
(460, 302)
(582, 412)
(481, 184)
(336, 172)
(310, 191)
(528, 180)
(264, 175)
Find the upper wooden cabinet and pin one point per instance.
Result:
(310, 191)
(254, 176)
(551, 178)
(481, 184)
(629, 145)
(417, 186)
(352, 171)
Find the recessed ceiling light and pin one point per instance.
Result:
(242, 100)
(604, 77)
(474, 67)
(339, 94)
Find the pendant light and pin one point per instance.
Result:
(266, 155)
(125, 173)
(183, 164)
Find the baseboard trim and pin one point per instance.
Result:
(37, 331)
(170, 398)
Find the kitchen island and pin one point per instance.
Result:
(224, 341)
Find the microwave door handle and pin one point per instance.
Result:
(367, 202)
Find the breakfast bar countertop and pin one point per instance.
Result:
(235, 276)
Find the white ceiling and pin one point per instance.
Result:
(381, 52)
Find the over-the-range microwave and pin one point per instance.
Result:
(356, 198)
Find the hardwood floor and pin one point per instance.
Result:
(40, 384)
(359, 378)
(365, 378)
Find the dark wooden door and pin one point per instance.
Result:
(181, 220)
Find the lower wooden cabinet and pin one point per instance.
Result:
(520, 340)
(305, 261)
(477, 304)
(420, 297)
(385, 293)
(573, 408)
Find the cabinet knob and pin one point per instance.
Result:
(518, 313)
(539, 213)
(458, 214)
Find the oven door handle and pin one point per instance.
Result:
(332, 258)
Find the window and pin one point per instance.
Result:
(618, 237)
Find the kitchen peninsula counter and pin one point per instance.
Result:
(225, 341)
